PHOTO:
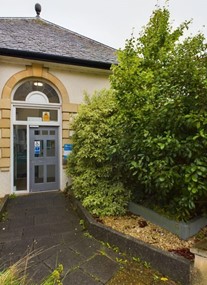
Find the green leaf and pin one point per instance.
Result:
(134, 164)
(162, 179)
(195, 178)
(162, 146)
(202, 134)
(194, 190)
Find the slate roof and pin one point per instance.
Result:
(36, 38)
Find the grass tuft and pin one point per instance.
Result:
(16, 274)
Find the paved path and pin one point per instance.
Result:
(46, 221)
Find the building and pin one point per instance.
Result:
(44, 71)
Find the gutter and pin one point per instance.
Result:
(55, 58)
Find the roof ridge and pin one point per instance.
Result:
(23, 18)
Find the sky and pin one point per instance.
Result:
(108, 21)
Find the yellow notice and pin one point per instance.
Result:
(46, 116)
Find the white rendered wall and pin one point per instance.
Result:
(7, 71)
(5, 178)
(77, 83)
(65, 180)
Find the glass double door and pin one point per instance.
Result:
(43, 159)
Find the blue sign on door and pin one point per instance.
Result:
(37, 147)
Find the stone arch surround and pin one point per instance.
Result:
(35, 70)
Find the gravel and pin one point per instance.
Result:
(150, 233)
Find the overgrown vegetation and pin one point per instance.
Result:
(161, 89)
(95, 163)
(149, 132)
(16, 274)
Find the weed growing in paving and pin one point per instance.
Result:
(134, 271)
(17, 274)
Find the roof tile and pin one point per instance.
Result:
(40, 36)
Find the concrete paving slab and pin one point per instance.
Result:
(67, 257)
(9, 235)
(78, 277)
(38, 273)
(60, 218)
(72, 237)
(49, 251)
(20, 221)
(36, 231)
(63, 227)
(86, 247)
(47, 241)
(46, 222)
(36, 211)
(101, 267)
(20, 247)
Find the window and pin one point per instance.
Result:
(20, 157)
(28, 114)
(35, 85)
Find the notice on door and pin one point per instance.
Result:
(36, 147)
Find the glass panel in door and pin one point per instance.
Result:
(50, 148)
(51, 173)
(39, 173)
(20, 158)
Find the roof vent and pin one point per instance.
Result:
(38, 9)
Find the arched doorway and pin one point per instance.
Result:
(36, 121)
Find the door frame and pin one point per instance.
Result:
(34, 123)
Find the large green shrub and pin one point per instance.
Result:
(149, 133)
(161, 89)
(95, 164)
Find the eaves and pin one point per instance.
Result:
(54, 58)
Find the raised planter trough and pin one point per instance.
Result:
(170, 264)
(181, 229)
